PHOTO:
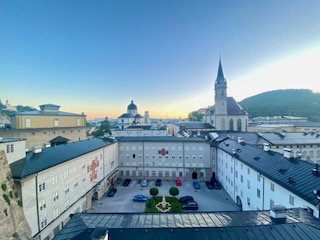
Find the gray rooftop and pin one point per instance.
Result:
(196, 125)
(9, 140)
(52, 156)
(47, 113)
(277, 168)
(201, 225)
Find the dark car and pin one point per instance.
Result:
(126, 182)
(216, 185)
(140, 198)
(158, 182)
(190, 205)
(209, 185)
(196, 185)
(186, 199)
(112, 192)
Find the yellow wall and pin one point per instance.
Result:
(47, 121)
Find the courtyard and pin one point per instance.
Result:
(208, 200)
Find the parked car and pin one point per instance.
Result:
(126, 182)
(158, 182)
(178, 182)
(209, 185)
(196, 185)
(216, 185)
(112, 192)
(140, 198)
(190, 205)
(186, 199)
(144, 183)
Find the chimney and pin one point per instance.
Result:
(266, 147)
(278, 212)
(234, 151)
(287, 152)
(37, 150)
(240, 140)
(315, 170)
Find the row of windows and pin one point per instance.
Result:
(156, 173)
(173, 148)
(160, 156)
(55, 122)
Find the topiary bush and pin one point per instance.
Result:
(174, 191)
(4, 187)
(154, 191)
(6, 198)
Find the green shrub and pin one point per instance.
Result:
(19, 203)
(174, 191)
(11, 194)
(151, 203)
(6, 198)
(16, 194)
(4, 187)
(5, 212)
(154, 191)
(175, 207)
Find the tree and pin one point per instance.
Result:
(154, 191)
(103, 129)
(174, 191)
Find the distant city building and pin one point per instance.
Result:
(226, 114)
(284, 126)
(41, 127)
(140, 131)
(132, 117)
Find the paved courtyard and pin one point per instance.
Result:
(121, 202)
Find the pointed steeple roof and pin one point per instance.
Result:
(220, 77)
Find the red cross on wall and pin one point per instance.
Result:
(163, 152)
(92, 168)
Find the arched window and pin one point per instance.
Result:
(231, 124)
(239, 124)
(223, 124)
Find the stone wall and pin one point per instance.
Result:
(13, 224)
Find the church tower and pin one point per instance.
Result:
(220, 90)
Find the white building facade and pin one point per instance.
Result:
(51, 194)
(165, 157)
(260, 180)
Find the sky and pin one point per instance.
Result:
(97, 56)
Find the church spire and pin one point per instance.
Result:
(220, 77)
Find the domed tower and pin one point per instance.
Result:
(132, 109)
(220, 90)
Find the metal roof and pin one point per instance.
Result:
(197, 225)
(277, 168)
(52, 156)
(160, 139)
(233, 108)
(47, 113)
(196, 125)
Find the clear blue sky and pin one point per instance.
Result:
(97, 56)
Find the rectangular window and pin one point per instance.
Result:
(127, 173)
(133, 156)
(271, 203)
(180, 174)
(272, 187)
(42, 186)
(28, 123)
(291, 200)
(241, 178)
(231, 169)
(140, 173)
(201, 174)
(173, 173)
(78, 121)
(56, 123)
(153, 173)
(167, 173)
(248, 184)
(236, 174)
(248, 171)
(160, 174)
(147, 173)
(258, 192)
(258, 177)
(248, 201)
(8, 148)
(133, 173)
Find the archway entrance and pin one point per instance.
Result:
(239, 203)
(194, 175)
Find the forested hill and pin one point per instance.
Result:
(289, 102)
